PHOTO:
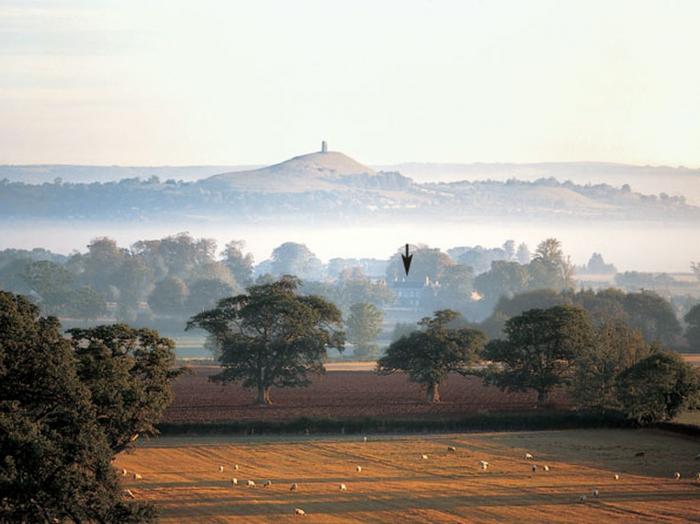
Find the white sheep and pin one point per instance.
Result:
(529, 456)
(545, 467)
(267, 484)
(235, 467)
(358, 469)
(130, 493)
(697, 477)
(234, 482)
(617, 476)
(294, 487)
(595, 492)
(124, 472)
(451, 449)
(136, 476)
(582, 498)
(484, 465)
(342, 487)
(424, 457)
(299, 511)
(677, 475)
(534, 468)
(250, 483)
(364, 439)
(221, 469)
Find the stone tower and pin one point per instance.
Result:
(324, 147)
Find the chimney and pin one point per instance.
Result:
(324, 147)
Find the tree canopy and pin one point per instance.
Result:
(430, 354)
(539, 349)
(272, 336)
(56, 459)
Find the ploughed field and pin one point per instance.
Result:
(396, 484)
(339, 394)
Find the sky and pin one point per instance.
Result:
(170, 82)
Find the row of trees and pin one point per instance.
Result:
(68, 405)
(275, 337)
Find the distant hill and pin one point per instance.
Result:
(333, 186)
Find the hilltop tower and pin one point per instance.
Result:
(324, 147)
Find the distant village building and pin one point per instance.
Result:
(324, 147)
(412, 299)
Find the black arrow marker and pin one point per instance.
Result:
(406, 260)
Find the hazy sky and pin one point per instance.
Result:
(205, 82)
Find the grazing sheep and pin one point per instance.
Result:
(129, 493)
(342, 487)
(545, 467)
(124, 472)
(595, 492)
(294, 487)
(299, 511)
(484, 465)
(424, 457)
(534, 468)
(451, 449)
(697, 477)
(235, 467)
(251, 483)
(221, 469)
(528, 456)
(639, 454)
(358, 469)
(364, 439)
(617, 476)
(136, 476)
(234, 482)
(267, 484)
(677, 476)
(582, 498)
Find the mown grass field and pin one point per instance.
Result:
(181, 476)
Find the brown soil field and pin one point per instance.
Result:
(339, 394)
(181, 476)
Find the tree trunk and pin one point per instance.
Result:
(264, 395)
(433, 393)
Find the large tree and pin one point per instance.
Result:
(272, 336)
(658, 387)
(364, 325)
(55, 463)
(430, 354)
(168, 297)
(129, 374)
(549, 268)
(539, 349)
(616, 348)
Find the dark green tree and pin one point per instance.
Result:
(657, 388)
(129, 373)
(429, 355)
(616, 348)
(692, 332)
(653, 316)
(55, 460)
(539, 350)
(272, 336)
(363, 327)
